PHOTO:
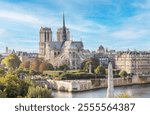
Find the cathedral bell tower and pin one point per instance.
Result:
(45, 36)
(63, 33)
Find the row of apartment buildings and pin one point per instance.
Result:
(134, 62)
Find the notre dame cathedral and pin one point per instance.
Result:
(62, 51)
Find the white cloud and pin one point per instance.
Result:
(145, 4)
(28, 41)
(128, 34)
(19, 17)
(2, 31)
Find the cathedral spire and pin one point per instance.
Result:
(63, 20)
(64, 36)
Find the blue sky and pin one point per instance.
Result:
(115, 24)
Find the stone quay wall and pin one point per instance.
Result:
(83, 85)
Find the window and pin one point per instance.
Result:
(74, 54)
(55, 53)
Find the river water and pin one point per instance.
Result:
(137, 91)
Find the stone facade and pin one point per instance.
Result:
(134, 62)
(105, 56)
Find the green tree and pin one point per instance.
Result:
(123, 74)
(64, 67)
(50, 66)
(38, 92)
(12, 61)
(13, 86)
(94, 63)
(2, 72)
(12, 89)
(100, 70)
(23, 88)
(2, 94)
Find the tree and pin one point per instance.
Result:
(100, 70)
(23, 88)
(63, 67)
(45, 66)
(123, 74)
(50, 66)
(12, 61)
(25, 65)
(2, 94)
(2, 72)
(38, 92)
(13, 86)
(42, 67)
(94, 63)
(12, 89)
(35, 65)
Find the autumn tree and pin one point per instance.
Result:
(45, 66)
(35, 65)
(26, 64)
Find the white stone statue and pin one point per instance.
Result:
(90, 68)
(110, 89)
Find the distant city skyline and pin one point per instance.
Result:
(115, 24)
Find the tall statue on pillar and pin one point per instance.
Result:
(90, 68)
(110, 89)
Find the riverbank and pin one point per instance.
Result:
(85, 85)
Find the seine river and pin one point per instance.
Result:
(137, 91)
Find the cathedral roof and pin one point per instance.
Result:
(67, 45)
(55, 45)
(73, 45)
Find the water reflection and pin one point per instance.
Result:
(138, 91)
